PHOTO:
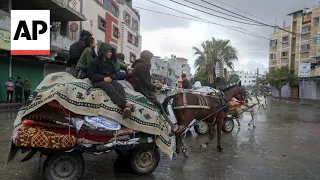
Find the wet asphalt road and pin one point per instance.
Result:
(284, 145)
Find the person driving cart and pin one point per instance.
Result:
(141, 82)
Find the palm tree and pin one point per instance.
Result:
(214, 51)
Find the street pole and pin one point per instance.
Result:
(302, 90)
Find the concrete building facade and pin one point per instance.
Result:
(299, 43)
(247, 78)
(169, 70)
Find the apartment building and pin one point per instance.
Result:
(111, 21)
(247, 78)
(169, 69)
(300, 46)
(36, 67)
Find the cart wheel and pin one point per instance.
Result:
(228, 125)
(64, 166)
(202, 128)
(144, 161)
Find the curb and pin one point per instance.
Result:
(292, 102)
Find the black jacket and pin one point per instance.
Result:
(141, 78)
(76, 50)
(100, 67)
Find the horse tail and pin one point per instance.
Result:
(166, 102)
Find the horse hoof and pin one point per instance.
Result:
(174, 155)
(186, 154)
(203, 146)
(220, 148)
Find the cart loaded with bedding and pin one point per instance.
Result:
(66, 117)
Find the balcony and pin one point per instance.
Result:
(60, 43)
(4, 20)
(59, 9)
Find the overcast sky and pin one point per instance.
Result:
(165, 35)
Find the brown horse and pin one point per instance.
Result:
(215, 112)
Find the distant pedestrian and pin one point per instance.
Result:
(10, 89)
(27, 89)
(18, 90)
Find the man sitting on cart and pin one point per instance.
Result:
(102, 72)
(141, 82)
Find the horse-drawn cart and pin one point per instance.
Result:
(202, 127)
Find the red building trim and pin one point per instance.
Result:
(110, 22)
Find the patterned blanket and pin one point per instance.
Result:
(80, 97)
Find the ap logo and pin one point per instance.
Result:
(30, 32)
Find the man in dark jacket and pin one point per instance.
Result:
(76, 50)
(141, 82)
(185, 82)
(102, 73)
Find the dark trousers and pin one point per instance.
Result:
(114, 90)
(9, 96)
(80, 73)
(153, 98)
(26, 95)
(18, 96)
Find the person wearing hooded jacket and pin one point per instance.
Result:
(76, 50)
(141, 82)
(102, 72)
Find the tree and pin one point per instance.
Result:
(261, 86)
(233, 79)
(200, 76)
(213, 52)
(280, 77)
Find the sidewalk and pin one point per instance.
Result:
(306, 102)
(9, 105)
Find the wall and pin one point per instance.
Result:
(76, 5)
(311, 90)
(285, 92)
(126, 47)
(4, 75)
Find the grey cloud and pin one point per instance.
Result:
(267, 10)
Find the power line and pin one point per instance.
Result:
(275, 26)
(210, 13)
(225, 26)
(243, 11)
(246, 19)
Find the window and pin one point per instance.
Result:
(273, 56)
(101, 23)
(315, 21)
(305, 29)
(116, 32)
(135, 25)
(133, 57)
(127, 18)
(284, 54)
(245, 81)
(249, 81)
(101, 1)
(305, 48)
(114, 9)
(136, 41)
(245, 76)
(130, 38)
(253, 81)
(273, 42)
(285, 39)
